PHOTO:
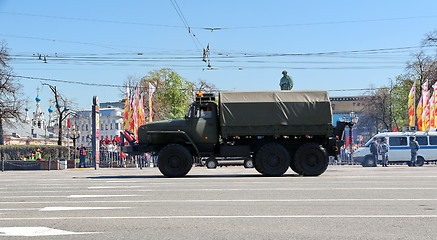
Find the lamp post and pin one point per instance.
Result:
(74, 135)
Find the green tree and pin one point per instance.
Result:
(388, 106)
(399, 96)
(172, 96)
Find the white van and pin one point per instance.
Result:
(399, 148)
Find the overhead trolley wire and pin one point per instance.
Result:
(224, 27)
(120, 86)
(196, 41)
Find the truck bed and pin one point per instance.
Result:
(275, 113)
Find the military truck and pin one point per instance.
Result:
(276, 129)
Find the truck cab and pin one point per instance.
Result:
(202, 124)
(198, 130)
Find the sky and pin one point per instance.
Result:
(343, 47)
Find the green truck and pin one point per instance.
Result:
(274, 129)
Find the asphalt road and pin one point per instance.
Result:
(346, 202)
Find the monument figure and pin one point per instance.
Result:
(286, 82)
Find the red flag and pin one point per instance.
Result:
(425, 113)
(395, 129)
(141, 114)
(419, 114)
(433, 107)
(151, 91)
(68, 123)
(411, 107)
(126, 117)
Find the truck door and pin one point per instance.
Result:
(204, 125)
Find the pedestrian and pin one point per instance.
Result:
(82, 156)
(384, 147)
(37, 154)
(414, 147)
(374, 150)
(122, 156)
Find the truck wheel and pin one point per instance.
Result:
(174, 160)
(311, 159)
(420, 161)
(272, 160)
(248, 163)
(256, 166)
(294, 168)
(211, 163)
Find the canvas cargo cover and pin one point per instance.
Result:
(274, 108)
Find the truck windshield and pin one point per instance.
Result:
(191, 112)
(205, 112)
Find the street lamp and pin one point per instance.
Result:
(74, 135)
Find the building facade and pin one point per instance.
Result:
(111, 123)
(31, 131)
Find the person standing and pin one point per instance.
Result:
(374, 150)
(414, 146)
(82, 156)
(384, 147)
(122, 156)
(38, 154)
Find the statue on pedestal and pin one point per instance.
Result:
(286, 82)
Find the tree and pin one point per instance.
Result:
(377, 111)
(204, 86)
(172, 96)
(387, 107)
(10, 92)
(399, 99)
(62, 110)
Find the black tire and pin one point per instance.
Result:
(369, 161)
(248, 163)
(294, 168)
(256, 166)
(420, 161)
(175, 160)
(311, 159)
(211, 163)
(272, 160)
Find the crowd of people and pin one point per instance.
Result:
(34, 155)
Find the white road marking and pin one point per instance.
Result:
(19, 209)
(137, 189)
(36, 231)
(119, 181)
(32, 197)
(221, 217)
(46, 209)
(100, 196)
(115, 187)
(234, 200)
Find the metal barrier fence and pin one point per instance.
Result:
(114, 159)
